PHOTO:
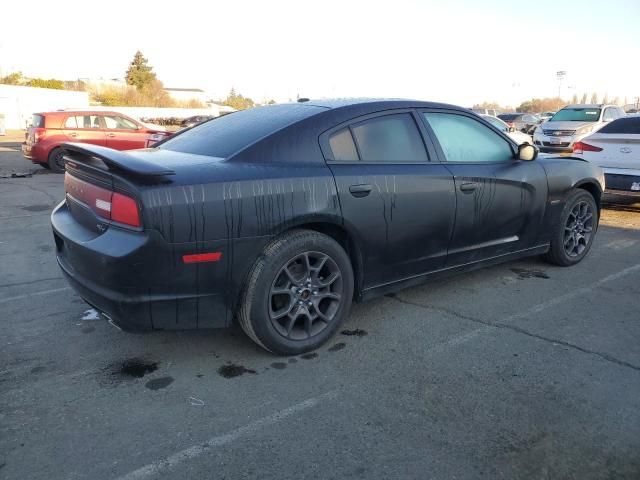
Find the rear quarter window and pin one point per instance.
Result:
(226, 135)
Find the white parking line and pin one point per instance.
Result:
(32, 294)
(172, 461)
(576, 293)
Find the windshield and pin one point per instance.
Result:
(577, 115)
(507, 117)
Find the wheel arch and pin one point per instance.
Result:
(593, 188)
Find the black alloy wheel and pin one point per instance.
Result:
(305, 295)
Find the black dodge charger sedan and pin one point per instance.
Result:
(281, 216)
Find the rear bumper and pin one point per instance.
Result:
(34, 152)
(622, 181)
(138, 279)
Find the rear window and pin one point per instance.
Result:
(507, 117)
(228, 134)
(630, 125)
(37, 121)
(577, 115)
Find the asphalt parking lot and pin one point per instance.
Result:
(521, 371)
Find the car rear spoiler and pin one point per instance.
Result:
(116, 160)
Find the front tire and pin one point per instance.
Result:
(298, 293)
(573, 236)
(56, 160)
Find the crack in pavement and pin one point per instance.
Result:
(523, 331)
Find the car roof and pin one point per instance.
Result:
(381, 103)
(589, 105)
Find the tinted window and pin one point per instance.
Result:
(464, 139)
(508, 117)
(71, 123)
(228, 134)
(391, 138)
(119, 123)
(37, 121)
(577, 115)
(342, 146)
(625, 125)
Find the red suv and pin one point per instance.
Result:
(108, 129)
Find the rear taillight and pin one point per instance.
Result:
(109, 205)
(580, 147)
(124, 210)
(38, 134)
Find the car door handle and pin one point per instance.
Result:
(468, 186)
(73, 134)
(360, 190)
(111, 135)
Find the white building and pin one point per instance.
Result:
(186, 94)
(18, 103)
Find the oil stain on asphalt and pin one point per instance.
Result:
(529, 273)
(158, 383)
(232, 370)
(279, 365)
(354, 333)
(309, 356)
(135, 368)
(336, 347)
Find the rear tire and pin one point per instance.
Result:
(297, 294)
(573, 236)
(56, 160)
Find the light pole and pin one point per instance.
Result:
(560, 76)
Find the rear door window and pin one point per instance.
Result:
(464, 139)
(83, 121)
(389, 138)
(71, 122)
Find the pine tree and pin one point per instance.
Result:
(140, 73)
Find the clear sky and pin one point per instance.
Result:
(458, 51)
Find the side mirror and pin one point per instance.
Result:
(527, 152)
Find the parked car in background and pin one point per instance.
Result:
(616, 149)
(545, 116)
(191, 121)
(49, 130)
(523, 122)
(485, 111)
(571, 124)
(279, 216)
(518, 137)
